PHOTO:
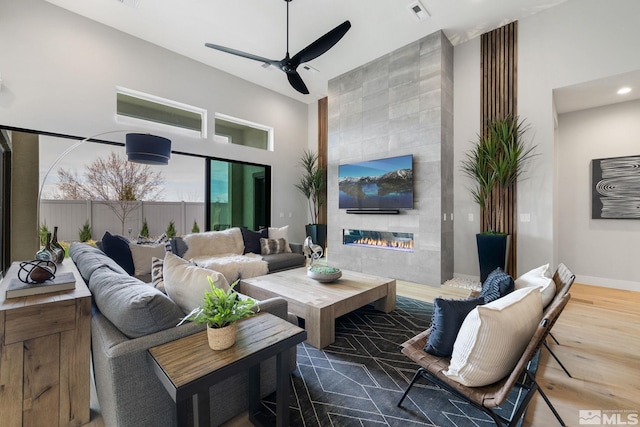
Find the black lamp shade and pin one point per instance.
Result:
(147, 149)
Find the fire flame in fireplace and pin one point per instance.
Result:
(406, 245)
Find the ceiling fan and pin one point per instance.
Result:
(290, 64)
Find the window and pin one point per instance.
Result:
(137, 106)
(232, 130)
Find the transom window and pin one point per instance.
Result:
(232, 130)
(138, 106)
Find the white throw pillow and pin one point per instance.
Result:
(537, 278)
(214, 243)
(142, 256)
(493, 337)
(186, 283)
(280, 233)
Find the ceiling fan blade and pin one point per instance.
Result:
(321, 45)
(297, 83)
(242, 54)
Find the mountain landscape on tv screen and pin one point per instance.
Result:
(391, 190)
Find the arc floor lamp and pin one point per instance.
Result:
(139, 147)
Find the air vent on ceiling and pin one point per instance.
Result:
(418, 10)
(309, 68)
(130, 3)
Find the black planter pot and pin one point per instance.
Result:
(318, 233)
(493, 250)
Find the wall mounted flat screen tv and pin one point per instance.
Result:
(377, 184)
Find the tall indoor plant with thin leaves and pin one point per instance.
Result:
(495, 163)
(312, 185)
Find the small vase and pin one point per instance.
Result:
(57, 247)
(222, 338)
(46, 253)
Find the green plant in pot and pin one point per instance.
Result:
(220, 311)
(312, 185)
(495, 163)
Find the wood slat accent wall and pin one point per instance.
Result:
(498, 97)
(323, 131)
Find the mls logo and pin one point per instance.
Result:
(590, 416)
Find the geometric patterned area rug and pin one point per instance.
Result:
(358, 380)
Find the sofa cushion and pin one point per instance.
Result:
(537, 278)
(88, 259)
(186, 283)
(214, 243)
(280, 233)
(117, 248)
(251, 239)
(284, 261)
(142, 255)
(447, 318)
(493, 337)
(134, 307)
(496, 285)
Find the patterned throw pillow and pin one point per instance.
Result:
(280, 233)
(141, 240)
(157, 278)
(498, 284)
(273, 246)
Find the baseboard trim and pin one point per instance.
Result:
(603, 282)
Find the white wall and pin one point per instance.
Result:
(60, 71)
(577, 41)
(603, 251)
(466, 124)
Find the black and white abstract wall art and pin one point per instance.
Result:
(615, 188)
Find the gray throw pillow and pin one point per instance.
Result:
(134, 307)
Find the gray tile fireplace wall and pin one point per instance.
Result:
(401, 103)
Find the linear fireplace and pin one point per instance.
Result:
(378, 239)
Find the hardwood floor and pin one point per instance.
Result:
(599, 335)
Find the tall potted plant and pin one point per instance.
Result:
(312, 185)
(495, 163)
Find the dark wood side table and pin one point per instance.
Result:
(187, 367)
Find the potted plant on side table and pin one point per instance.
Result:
(495, 163)
(312, 185)
(220, 310)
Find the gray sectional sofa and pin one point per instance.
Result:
(129, 317)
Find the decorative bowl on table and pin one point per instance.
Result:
(324, 274)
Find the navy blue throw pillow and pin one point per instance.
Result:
(448, 316)
(498, 284)
(117, 248)
(252, 239)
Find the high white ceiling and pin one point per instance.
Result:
(259, 27)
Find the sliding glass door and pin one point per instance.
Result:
(5, 197)
(238, 195)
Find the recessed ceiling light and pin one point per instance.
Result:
(624, 90)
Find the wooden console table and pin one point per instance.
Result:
(44, 356)
(187, 367)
